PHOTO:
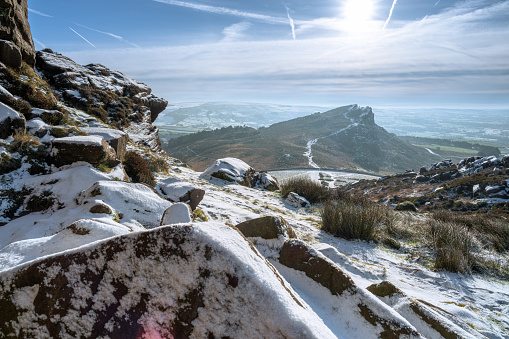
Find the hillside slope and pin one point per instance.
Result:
(343, 138)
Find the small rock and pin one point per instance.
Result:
(296, 200)
(177, 214)
(267, 228)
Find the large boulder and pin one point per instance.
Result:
(180, 191)
(10, 54)
(505, 161)
(14, 27)
(232, 170)
(91, 149)
(179, 213)
(114, 137)
(10, 121)
(269, 227)
(203, 281)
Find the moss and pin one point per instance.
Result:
(59, 132)
(199, 215)
(8, 163)
(384, 289)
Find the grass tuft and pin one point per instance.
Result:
(137, 169)
(306, 187)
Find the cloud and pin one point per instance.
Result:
(225, 11)
(390, 13)
(292, 24)
(235, 32)
(412, 60)
(114, 36)
(81, 36)
(39, 13)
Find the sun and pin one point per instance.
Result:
(358, 15)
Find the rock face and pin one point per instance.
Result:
(110, 96)
(10, 54)
(14, 27)
(266, 228)
(10, 121)
(163, 283)
(91, 149)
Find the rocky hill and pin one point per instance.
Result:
(343, 138)
(102, 234)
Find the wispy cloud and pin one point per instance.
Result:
(390, 13)
(39, 13)
(235, 32)
(81, 36)
(292, 23)
(225, 11)
(114, 36)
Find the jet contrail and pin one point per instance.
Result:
(390, 14)
(292, 24)
(118, 37)
(81, 36)
(39, 13)
(436, 3)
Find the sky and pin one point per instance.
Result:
(395, 53)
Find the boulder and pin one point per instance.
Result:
(114, 137)
(10, 54)
(505, 161)
(179, 213)
(101, 209)
(49, 116)
(204, 281)
(14, 27)
(180, 191)
(296, 200)
(442, 165)
(232, 170)
(10, 121)
(91, 149)
(267, 228)
(300, 256)
(265, 181)
(156, 106)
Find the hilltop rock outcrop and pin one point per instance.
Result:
(14, 27)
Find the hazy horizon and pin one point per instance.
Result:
(378, 53)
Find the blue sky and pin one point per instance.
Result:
(422, 53)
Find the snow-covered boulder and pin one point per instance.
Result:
(267, 228)
(232, 170)
(442, 165)
(114, 137)
(264, 180)
(295, 200)
(179, 213)
(170, 282)
(10, 121)
(91, 149)
(181, 191)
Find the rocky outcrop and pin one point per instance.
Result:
(14, 27)
(108, 95)
(91, 149)
(10, 121)
(266, 228)
(231, 170)
(265, 181)
(164, 283)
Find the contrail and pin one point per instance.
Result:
(118, 37)
(436, 3)
(39, 13)
(81, 36)
(390, 14)
(292, 24)
(40, 43)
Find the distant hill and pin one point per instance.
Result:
(343, 138)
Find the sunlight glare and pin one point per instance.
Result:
(358, 15)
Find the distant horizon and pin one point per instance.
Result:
(412, 53)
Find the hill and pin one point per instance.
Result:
(343, 138)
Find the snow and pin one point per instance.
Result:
(88, 140)
(7, 113)
(174, 189)
(107, 134)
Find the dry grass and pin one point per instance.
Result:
(137, 169)
(306, 187)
